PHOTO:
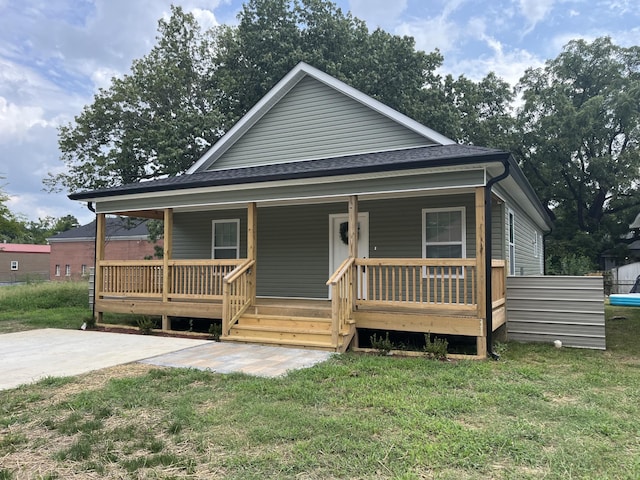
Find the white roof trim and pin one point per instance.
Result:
(282, 88)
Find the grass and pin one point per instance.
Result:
(540, 412)
(44, 305)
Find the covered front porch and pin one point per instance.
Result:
(444, 296)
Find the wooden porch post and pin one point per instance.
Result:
(99, 280)
(252, 246)
(353, 245)
(167, 251)
(353, 226)
(481, 271)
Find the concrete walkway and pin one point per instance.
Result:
(32, 355)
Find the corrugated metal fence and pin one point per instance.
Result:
(544, 309)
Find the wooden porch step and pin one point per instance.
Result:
(288, 322)
(319, 311)
(281, 341)
(281, 333)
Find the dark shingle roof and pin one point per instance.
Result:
(115, 227)
(421, 157)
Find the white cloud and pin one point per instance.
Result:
(435, 32)
(205, 18)
(378, 13)
(16, 121)
(431, 34)
(535, 11)
(509, 65)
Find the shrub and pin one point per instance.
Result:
(436, 348)
(383, 345)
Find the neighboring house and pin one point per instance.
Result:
(261, 231)
(624, 277)
(73, 251)
(22, 262)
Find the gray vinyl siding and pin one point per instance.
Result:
(498, 249)
(192, 232)
(458, 179)
(293, 241)
(527, 263)
(315, 121)
(293, 250)
(545, 309)
(394, 224)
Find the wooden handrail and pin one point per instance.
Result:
(207, 262)
(418, 262)
(239, 270)
(344, 266)
(130, 263)
(236, 295)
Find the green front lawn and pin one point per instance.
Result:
(539, 412)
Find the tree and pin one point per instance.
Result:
(580, 127)
(193, 86)
(11, 228)
(153, 122)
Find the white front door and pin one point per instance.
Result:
(338, 239)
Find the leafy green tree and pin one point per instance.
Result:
(12, 229)
(153, 122)
(580, 128)
(193, 86)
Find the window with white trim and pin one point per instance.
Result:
(57, 270)
(512, 242)
(67, 270)
(444, 233)
(83, 270)
(14, 265)
(225, 239)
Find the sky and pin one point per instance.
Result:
(56, 54)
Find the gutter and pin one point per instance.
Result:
(488, 289)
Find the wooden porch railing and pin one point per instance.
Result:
(131, 278)
(498, 283)
(236, 295)
(417, 283)
(199, 279)
(341, 283)
(188, 279)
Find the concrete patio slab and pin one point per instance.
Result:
(29, 356)
(35, 354)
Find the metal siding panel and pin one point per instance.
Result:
(544, 309)
(315, 121)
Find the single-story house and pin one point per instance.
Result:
(73, 251)
(23, 262)
(322, 212)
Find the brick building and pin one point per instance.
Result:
(73, 251)
(23, 262)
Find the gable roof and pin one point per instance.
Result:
(24, 248)
(284, 86)
(116, 228)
